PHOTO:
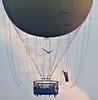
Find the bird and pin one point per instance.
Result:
(47, 51)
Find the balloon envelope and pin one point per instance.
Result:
(47, 18)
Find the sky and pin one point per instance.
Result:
(87, 89)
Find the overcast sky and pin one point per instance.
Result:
(87, 88)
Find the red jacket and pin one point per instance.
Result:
(66, 76)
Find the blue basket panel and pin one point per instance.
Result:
(46, 91)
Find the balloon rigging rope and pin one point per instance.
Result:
(76, 57)
(68, 60)
(29, 79)
(68, 56)
(82, 63)
(14, 74)
(43, 71)
(54, 57)
(18, 49)
(24, 65)
(34, 51)
(29, 48)
(49, 55)
(32, 42)
(28, 52)
(12, 55)
(80, 69)
(64, 52)
(27, 71)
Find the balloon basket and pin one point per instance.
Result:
(45, 87)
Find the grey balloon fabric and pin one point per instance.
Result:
(47, 18)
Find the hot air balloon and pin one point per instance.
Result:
(48, 19)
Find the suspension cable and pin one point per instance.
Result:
(84, 56)
(11, 64)
(64, 52)
(54, 57)
(28, 52)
